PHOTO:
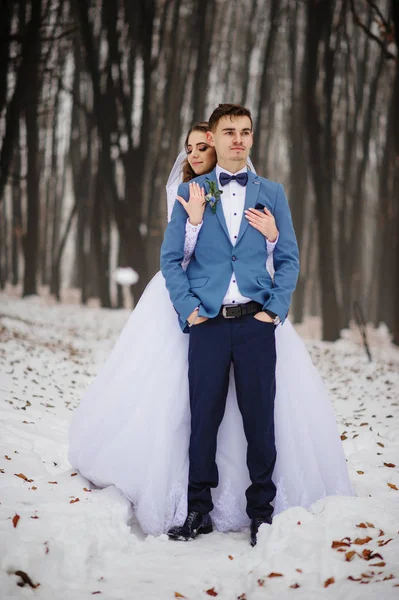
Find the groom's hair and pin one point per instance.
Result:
(228, 110)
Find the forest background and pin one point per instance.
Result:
(96, 97)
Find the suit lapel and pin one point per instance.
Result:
(251, 196)
(219, 208)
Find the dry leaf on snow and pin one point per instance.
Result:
(384, 543)
(25, 580)
(341, 543)
(362, 541)
(211, 592)
(24, 477)
(329, 581)
(350, 555)
(15, 520)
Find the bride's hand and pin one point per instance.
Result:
(196, 204)
(265, 223)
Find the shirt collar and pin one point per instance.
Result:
(220, 169)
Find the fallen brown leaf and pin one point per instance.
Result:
(350, 555)
(7, 457)
(379, 564)
(340, 544)
(368, 554)
(391, 465)
(382, 543)
(392, 486)
(391, 576)
(53, 482)
(15, 520)
(33, 487)
(381, 444)
(73, 474)
(211, 592)
(360, 472)
(299, 570)
(177, 595)
(343, 437)
(25, 580)
(362, 541)
(369, 524)
(294, 586)
(35, 517)
(354, 578)
(24, 477)
(86, 490)
(73, 501)
(242, 597)
(362, 525)
(231, 557)
(329, 582)
(275, 575)
(261, 582)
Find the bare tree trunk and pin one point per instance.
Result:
(31, 241)
(101, 241)
(5, 29)
(203, 20)
(395, 17)
(299, 198)
(265, 92)
(319, 17)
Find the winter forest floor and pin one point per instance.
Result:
(74, 542)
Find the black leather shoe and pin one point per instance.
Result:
(255, 524)
(194, 524)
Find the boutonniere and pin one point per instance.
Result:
(213, 196)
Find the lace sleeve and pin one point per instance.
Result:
(190, 240)
(269, 261)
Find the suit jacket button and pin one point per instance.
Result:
(233, 258)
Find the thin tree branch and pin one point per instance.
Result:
(369, 34)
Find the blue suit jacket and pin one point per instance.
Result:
(208, 275)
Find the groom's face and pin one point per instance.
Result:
(232, 139)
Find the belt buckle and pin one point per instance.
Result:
(224, 311)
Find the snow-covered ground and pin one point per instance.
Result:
(72, 542)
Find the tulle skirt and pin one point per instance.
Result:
(132, 427)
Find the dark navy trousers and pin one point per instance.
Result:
(250, 345)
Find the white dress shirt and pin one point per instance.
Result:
(233, 202)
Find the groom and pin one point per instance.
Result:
(230, 306)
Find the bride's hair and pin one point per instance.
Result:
(187, 171)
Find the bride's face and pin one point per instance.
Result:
(200, 155)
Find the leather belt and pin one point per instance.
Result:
(240, 310)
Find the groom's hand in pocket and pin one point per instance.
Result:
(262, 316)
(194, 319)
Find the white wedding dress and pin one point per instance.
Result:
(132, 427)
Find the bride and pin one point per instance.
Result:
(132, 427)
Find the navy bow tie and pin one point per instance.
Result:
(241, 178)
